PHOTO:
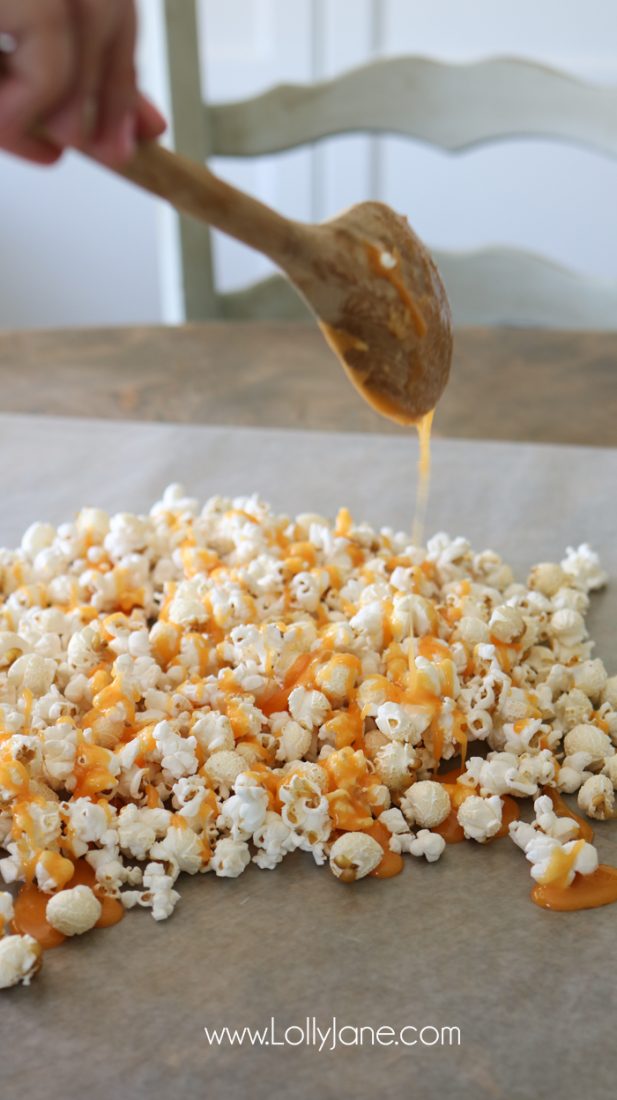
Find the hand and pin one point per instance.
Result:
(69, 73)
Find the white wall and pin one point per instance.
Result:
(80, 247)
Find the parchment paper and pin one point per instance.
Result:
(122, 1012)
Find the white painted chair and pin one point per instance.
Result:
(449, 106)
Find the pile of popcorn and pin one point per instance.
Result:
(196, 689)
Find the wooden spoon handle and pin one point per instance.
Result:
(193, 189)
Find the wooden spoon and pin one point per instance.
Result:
(367, 277)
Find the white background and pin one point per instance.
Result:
(78, 246)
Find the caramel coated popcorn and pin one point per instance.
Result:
(197, 689)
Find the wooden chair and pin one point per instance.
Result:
(449, 106)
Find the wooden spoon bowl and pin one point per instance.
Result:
(367, 277)
(382, 307)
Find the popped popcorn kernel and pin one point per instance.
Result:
(74, 911)
(480, 818)
(427, 844)
(426, 803)
(354, 855)
(596, 797)
(588, 739)
(20, 960)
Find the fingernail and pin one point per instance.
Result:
(127, 136)
(160, 119)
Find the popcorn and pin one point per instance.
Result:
(568, 627)
(590, 678)
(480, 818)
(394, 821)
(89, 823)
(507, 624)
(588, 739)
(245, 811)
(93, 523)
(572, 773)
(609, 695)
(571, 599)
(198, 689)
(547, 578)
(33, 673)
(295, 742)
(6, 911)
(110, 872)
(395, 764)
(273, 840)
(354, 855)
(534, 770)
(306, 811)
(37, 537)
(583, 567)
(426, 803)
(159, 894)
(543, 853)
(610, 769)
(74, 911)
(560, 828)
(596, 797)
(337, 677)
(177, 753)
(573, 708)
(181, 847)
(474, 631)
(230, 857)
(213, 732)
(52, 871)
(308, 708)
(223, 768)
(135, 832)
(427, 844)
(402, 723)
(20, 959)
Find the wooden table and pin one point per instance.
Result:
(557, 387)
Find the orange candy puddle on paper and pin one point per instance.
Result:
(31, 904)
(586, 892)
